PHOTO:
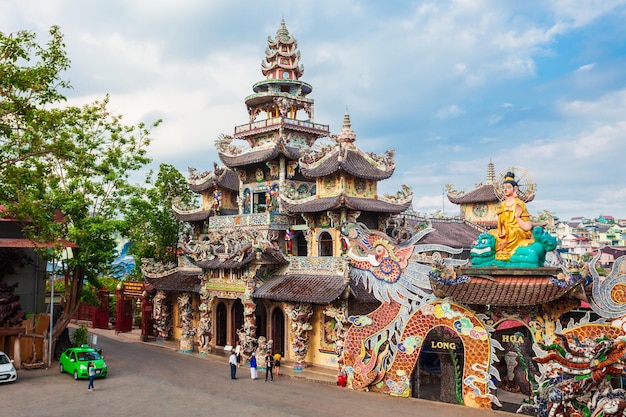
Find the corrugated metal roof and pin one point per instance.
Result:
(305, 288)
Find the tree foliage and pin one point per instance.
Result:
(148, 218)
(74, 161)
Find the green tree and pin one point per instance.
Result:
(70, 160)
(149, 222)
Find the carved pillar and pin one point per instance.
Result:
(281, 181)
(337, 334)
(203, 331)
(247, 335)
(162, 316)
(188, 332)
(299, 315)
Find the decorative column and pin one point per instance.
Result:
(162, 316)
(247, 335)
(203, 331)
(337, 330)
(299, 314)
(186, 317)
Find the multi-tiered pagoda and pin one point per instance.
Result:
(266, 259)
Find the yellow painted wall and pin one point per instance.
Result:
(314, 356)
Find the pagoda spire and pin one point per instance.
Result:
(491, 173)
(346, 135)
(282, 58)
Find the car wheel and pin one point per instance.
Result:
(76, 375)
(61, 368)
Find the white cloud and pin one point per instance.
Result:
(450, 111)
(396, 67)
(587, 67)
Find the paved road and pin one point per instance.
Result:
(145, 380)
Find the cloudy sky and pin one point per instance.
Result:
(450, 85)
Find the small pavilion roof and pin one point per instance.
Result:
(346, 156)
(483, 193)
(313, 204)
(221, 176)
(258, 154)
(176, 280)
(306, 288)
(502, 287)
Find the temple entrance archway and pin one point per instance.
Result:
(260, 315)
(516, 364)
(278, 331)
(438, 372)
(221, 325)
(236, 312)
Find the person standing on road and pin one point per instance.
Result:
(277, 358)
(269, 362)
(91, 370)
(238, 351)
(253, 373)
(233, 364)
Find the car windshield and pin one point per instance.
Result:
(4, 359)
(88, 356)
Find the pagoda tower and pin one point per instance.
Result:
(266, 260)
(280, 126)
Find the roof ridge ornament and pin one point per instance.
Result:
(346, 135)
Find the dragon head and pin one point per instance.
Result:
(375, 251)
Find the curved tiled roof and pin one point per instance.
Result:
(366, 204)
(269, 255)
(504, 287)
(221, 176)
(349, 159)
(481, 194)
(191, 216)
(458, 234)
(484, 193)
(305, 288)
(312, 205)
(309, 205)
(176, 281)
(262, 154)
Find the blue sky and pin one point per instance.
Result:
(450, 85)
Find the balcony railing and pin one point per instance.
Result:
(277, 121)
(262, 220)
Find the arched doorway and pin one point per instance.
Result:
(221, 325)
(237, 320)
(260, 315)
(516, 364)
(438, 372)
(325, 244)
(278, 331)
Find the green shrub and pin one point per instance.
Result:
(80, 336)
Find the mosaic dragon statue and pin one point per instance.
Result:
(382, 347)
(577, 365)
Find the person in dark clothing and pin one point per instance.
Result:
(233, 364)
(269, 364)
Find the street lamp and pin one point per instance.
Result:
(51, 311)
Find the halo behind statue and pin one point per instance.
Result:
(526, 186)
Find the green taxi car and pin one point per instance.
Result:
(74, 361)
